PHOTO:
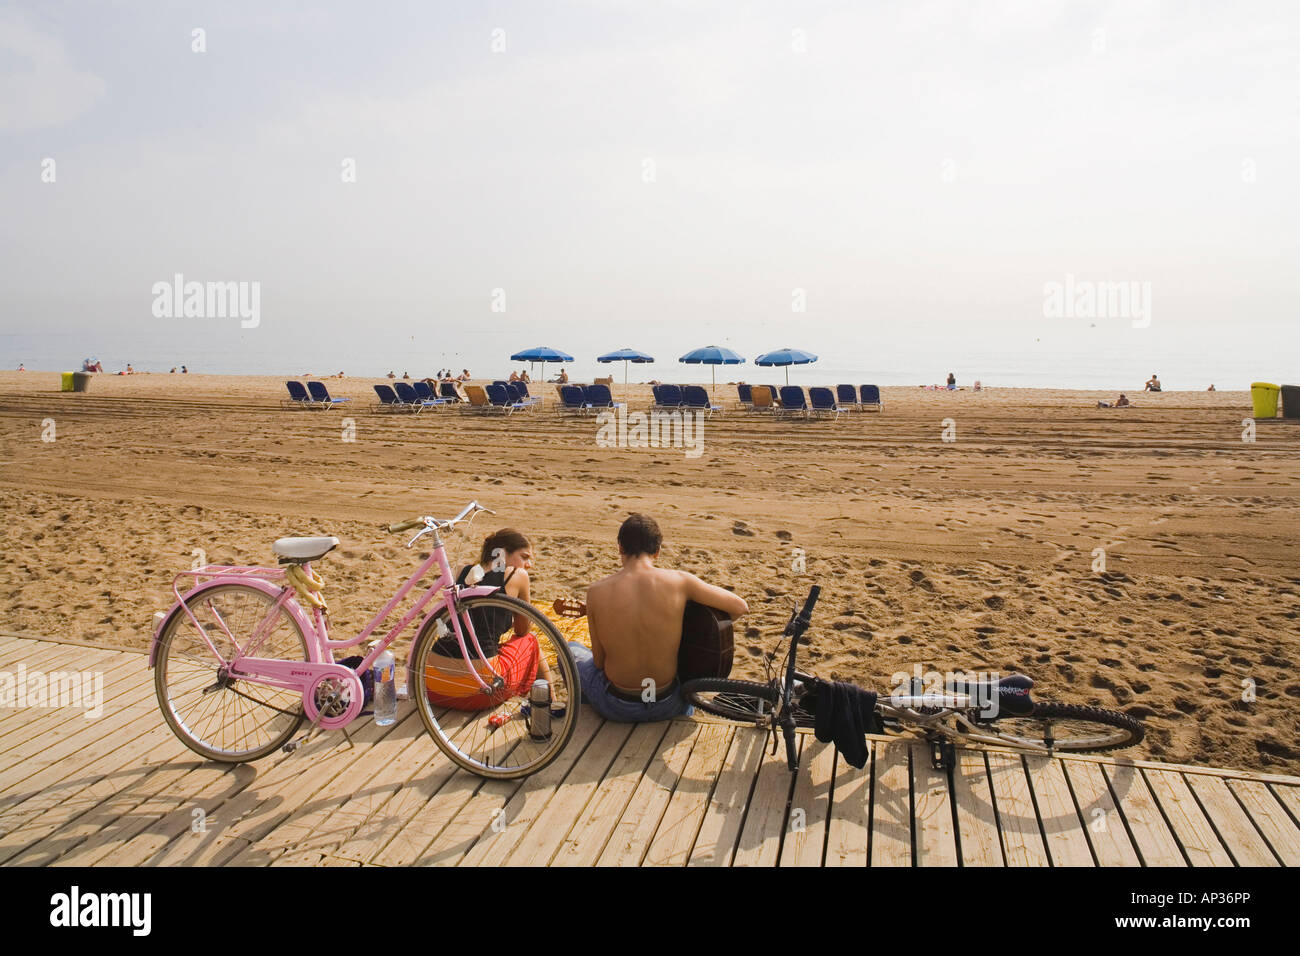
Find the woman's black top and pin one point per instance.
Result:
(489, 623)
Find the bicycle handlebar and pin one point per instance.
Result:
(472, 510)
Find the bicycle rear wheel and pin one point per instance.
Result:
(215, 715)
(498, 739)
(741, 700)
(1071, 727)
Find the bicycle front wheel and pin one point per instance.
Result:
(495, 733)
(740, 700)
(217, 716)
(1071, 727)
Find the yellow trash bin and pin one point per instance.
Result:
(1264, 397)
(67, 382)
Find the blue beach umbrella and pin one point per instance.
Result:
(625, 356)
(712, 355)
(543, 354)
(785, 357)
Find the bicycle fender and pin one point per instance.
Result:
(269, 588)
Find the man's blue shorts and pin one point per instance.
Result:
(596, 692)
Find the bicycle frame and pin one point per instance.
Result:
(290, 675)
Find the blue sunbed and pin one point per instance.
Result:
(695, 397)
(321, 396)
(822, 402)
(793, 401)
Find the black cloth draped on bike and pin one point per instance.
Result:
(846, 714)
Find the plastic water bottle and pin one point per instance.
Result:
(385, 669)
(539, 716)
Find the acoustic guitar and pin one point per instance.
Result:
(708, 646)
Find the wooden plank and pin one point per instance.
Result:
(19, 724)
(1108, 760)
(805, 838)
(977, 822)
(586, 839)
(1103, 823)
(497, 804)
(1022, 841)
(51, 809)
(346, 821)
(266, 802)
(636, 827)
(1236, 831)
(1289, 797)
(849, 830)
(891, 806)
(415, 815)
(52, 778)
(1270, 817)
(316, 825)
(765, 821)
(1067, 845)
(1197, 838)
(532, 841)
(1155, 843)
(179, 822)
(715, 844)
(936, 838)
(119, 821)
(675, 838)
(75, 732)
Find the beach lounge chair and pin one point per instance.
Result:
(298, 397)
(696, 397)
(793, 401)
(447, 390)
(410, 398)
(321, 396)
(524, 394)
(388, 400)
(667, 396)
(520, 394)
(847, 398)
(502, 400)
(761, 399)
(426, 394)
(746, 395)
(476, 399)
(573, 399)
(822, 402)
(871, 398)
(598, 397)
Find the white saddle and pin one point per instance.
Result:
(304, 549)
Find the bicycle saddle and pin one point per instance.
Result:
(1011, 693)
(290, 550)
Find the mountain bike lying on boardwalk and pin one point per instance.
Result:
(996, 713)
(239, 662)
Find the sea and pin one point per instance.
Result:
(1109, 355)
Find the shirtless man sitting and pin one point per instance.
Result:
(635, 619)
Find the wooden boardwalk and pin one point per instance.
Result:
(121, 790)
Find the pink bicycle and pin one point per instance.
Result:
(239, 662)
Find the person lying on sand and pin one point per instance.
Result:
(1121, 402)
(503, 562)
(635, 620)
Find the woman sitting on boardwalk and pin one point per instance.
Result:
(503, 562)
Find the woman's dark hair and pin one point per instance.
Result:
(507, 539)
(639, 534)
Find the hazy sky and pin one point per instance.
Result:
(928, 165)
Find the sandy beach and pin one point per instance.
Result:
(975, 553)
